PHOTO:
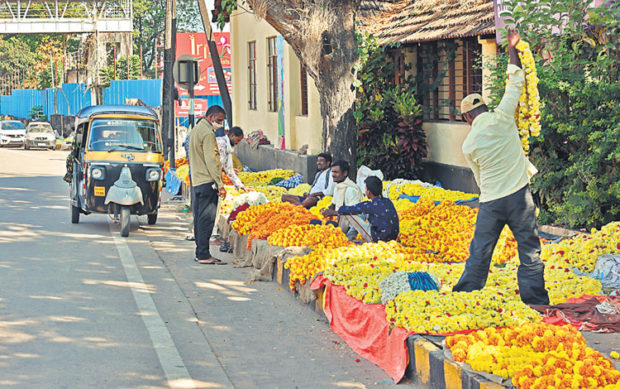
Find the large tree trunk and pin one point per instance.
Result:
(322, 34)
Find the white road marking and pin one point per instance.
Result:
(169, 358)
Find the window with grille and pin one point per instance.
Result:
(252, 75)
(447, 72)
(304, 89)
(272, 70)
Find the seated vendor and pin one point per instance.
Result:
(320, 186)
(379, 210)
(345, 193)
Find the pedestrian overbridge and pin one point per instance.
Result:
(65, 17)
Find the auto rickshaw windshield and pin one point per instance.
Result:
(140, 135)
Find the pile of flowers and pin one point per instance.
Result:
(315, 236)
(263, 178)
(272, 192)
(300, 190)
(177, 163)
(528, 112)
(322, 205)
(433, 193)
(535, 355)
(227, 205)
(444, 232)
(183, 173)
(582, 251)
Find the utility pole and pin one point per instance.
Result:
(54, 95)
(217, 65)
(168, 82)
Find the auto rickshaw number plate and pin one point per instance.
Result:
(100, 191)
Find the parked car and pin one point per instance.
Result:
(12, 133)
(40, 135)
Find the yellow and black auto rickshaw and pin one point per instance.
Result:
(117, 163)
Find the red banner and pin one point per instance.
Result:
(200, 107)
(195, 44)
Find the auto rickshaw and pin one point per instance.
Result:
(117, 163)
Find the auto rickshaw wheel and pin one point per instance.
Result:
(152, 219)
(125, 216)
(75, 214)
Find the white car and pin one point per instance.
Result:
(40, 135)
(12, 133)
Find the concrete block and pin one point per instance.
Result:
(267, 157)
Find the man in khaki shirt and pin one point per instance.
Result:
(206, 178)
(493, 150)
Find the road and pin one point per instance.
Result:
(81, 307)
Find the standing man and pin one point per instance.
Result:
(502, 171)
(320, 186)
(225, 144)
(206, 176)
(345, 193)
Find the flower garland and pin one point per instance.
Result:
(528, 112)
(536, 356)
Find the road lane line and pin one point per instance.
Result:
(167, 353)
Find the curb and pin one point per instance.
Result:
(429, 367)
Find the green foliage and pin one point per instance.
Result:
(15, 55)
(578, 151)
(390, 131)
(149, 24)
(224, 11)
(36, 113)
(107, 73)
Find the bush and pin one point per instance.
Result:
(578, 151)
(390, 135)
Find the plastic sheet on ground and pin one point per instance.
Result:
(582, 314)
(414, 199)
(364, 328)
(173, 183)
(607, 270)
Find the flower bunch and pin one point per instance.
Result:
(582, 251)
(528, 112)
(264, 177)
(322, 205)
(272, 192)
(228, 204)
(280, 216)
(177, 163)
(183, 173)
(433, 193)
(315, 236)
(226, 180)
(535, 355)
(245, 220)
(300, 190)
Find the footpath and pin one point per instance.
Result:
(261, 336)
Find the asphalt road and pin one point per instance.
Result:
(81, 307)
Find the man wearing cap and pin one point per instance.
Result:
(493, 150)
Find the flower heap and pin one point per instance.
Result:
(444, 311)
(177, 163)
(322, 205)
(582, 251)
(444, 232)
(300, 190)
(272, 192)
(314, 236)
(433, 193)
(183, 173)
(528, 112)
(536, 356)
(263, 178)
(227, 205)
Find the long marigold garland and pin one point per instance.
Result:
(528, 112)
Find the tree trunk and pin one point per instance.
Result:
(322, 34)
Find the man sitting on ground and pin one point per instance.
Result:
(380, 211)
(345, 193)
(320, 186)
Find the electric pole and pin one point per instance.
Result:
(168, 127)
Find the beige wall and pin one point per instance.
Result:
(299, 130)
(445, 139)
(489, 51)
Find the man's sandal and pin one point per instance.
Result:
(211, 261)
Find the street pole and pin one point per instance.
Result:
(168, 82)
(217, 65)
(190, 75)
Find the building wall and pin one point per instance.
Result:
(299, 130)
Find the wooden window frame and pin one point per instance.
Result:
(303, 78)
(272, 74)
(252, 75)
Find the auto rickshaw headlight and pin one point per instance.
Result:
(97, 173)
(153, 174)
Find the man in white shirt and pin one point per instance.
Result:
(345, 192)
(321, 185)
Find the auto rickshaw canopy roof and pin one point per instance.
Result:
(88, 112)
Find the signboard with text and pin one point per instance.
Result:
(195, 44)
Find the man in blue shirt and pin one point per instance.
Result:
(381, 214)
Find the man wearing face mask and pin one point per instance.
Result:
(206, 176)
(225, 144)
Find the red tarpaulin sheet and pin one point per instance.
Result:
(364, 328)
(582, 314)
